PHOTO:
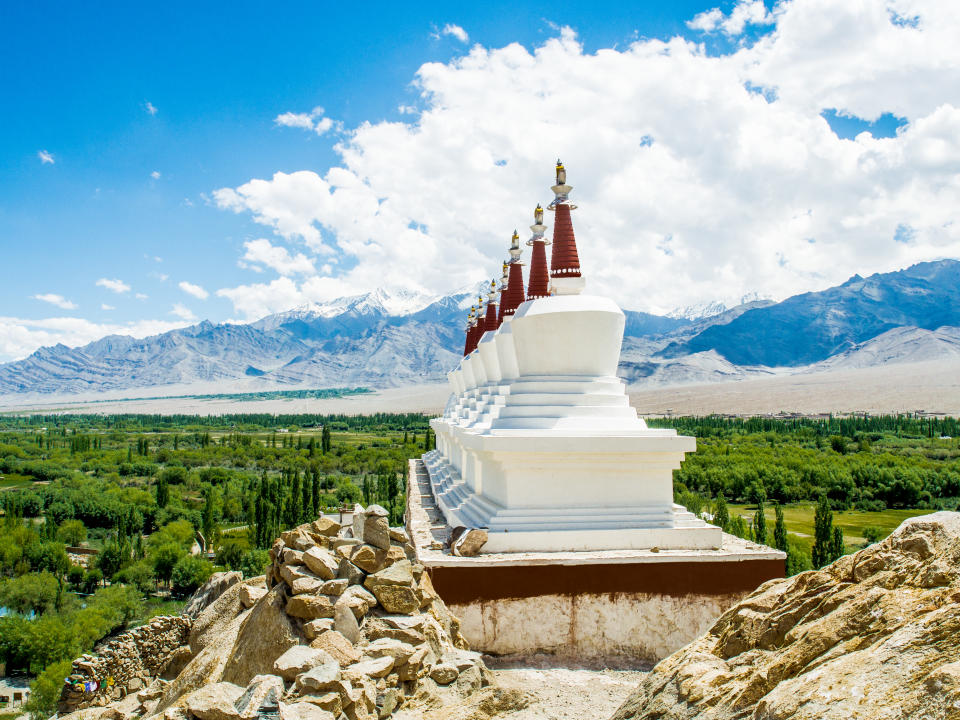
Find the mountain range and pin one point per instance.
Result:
(383, 339)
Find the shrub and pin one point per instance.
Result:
(189, 573)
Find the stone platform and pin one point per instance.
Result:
(630, 607)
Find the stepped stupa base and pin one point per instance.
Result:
(629, 606)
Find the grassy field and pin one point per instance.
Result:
(14, 480)
(799, 519)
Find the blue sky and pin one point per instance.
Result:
(122, 122)
(216, 75)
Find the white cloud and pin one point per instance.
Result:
(313, 120)
(162, 277)
(195, 290)
(148, 106)
(155, 175)
(59, 300)
(117, 286)
(141, 296)
(45, 157)
(692, 186)
(19, 336)
(279, 258)
(104, 306)
(706, 21)
(183, 312)
(456, 31)
(745, 12)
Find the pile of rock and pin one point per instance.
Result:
(378, 633)
(127, 663)
(874, 635)
(345, 624)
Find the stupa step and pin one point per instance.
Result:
(568, 411)
(567, 399)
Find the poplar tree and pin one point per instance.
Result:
(721, 515)
(760, 525)
(822, 534)
(316, 492)
(779, 530)
(836, 544)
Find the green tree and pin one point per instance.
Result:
(873, 534)
(721, 514)
(72, 532)
(30, 593)
(45, 690)
(189, 573)
(779, 529)
(254, 563)
(163, 491)
(111, 558)
(164, 558)
(760, 525)
(822, 533)
(836, 544)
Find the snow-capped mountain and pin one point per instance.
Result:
(704, 310)
(386, 338)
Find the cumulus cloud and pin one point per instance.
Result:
(745, 12)
(183, 312)
(196, 290)
(698, 176)
(278, 258)
(45, 157)
(313, 120)
(104, 306)
(117, 286)
(456, 31)
(155, 174)
(148, 106)
(19, 336)
(59, 300)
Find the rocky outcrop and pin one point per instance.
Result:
(874, 635)
(212, 589)
(344, 624)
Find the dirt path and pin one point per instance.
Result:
(569, 694)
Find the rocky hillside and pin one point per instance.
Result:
(814, 326)
(874, 635)
(343, 625)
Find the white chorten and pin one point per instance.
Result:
(539, 443)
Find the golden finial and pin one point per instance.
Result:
(561, 173)
(538, 215)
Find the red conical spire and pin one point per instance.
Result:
(481, 327)
(539, 284)
(514, 295)
(502, 291)
(467, 346)
(565, 261)
(490, 321)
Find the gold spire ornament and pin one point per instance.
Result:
(561, 173)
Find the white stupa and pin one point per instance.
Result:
(539, 443)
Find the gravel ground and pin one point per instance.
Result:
(569, 693)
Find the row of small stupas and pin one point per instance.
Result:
(538, 442)
(564, 263)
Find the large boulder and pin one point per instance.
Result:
(267, 633)
(299, 659)
(210, 591)
(874, 635)
(215, 701)
(210, 623)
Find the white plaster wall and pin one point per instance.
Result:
(641, 627)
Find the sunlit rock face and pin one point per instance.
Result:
(538, 442)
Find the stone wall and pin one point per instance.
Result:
(132, 659)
